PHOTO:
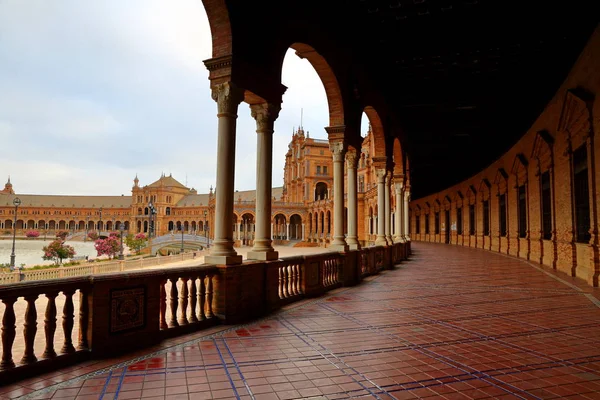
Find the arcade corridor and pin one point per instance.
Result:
(451, 322)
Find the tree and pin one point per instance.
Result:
(136, 242)
(109, 246)
(32, 234)
(58, 251)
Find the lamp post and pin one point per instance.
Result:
(181, 227)
(151, 212)
(100, 223)
(87, 226)
(122, 229)
(113, 227)
(16, 203)
(205, 228)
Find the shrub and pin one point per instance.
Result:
(62, 234)
(32, 234)
(93, 235)
(58, 251)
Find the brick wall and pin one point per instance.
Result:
(552, 154)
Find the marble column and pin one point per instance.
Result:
(388, 209)
(406, 210)
(265, 115)
(399, 214)
(338, 150)
(303, 232)
(351, 164)
(380, 239)
(228, 97)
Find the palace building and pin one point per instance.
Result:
(301, 208)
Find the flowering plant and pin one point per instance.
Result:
(93, 235)
(62, 234)
(109, 246)
(58, 251)
(32, 234)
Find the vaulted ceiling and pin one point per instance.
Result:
(462, 79)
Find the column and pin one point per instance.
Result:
(228, 97)
(406, 201)
(380, 239)
(265, 116)
(351, 164)
(303, 232)
(287, 231)
(388, 208)
(338, 150)
(271, 231)
(399, 220)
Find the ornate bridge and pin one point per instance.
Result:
(175, 240)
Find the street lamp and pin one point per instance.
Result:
(205, 228)
(16, 203)
(181, 227)
(151, 213)
(121, 228)
(100, 230)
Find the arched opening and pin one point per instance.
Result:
(328, 217)
(237, 228)
(371, 222)
(321, 191)
(310, 224)
(280, 227)
(171, 226)
(62, 225)
(168, 211)
(322, 223)
(139, 227)
(139, 211)
(247, 234)
(8, 224)
(145, 226)
(193, 226)
(295, 227)
(52, 225)
(186, 226)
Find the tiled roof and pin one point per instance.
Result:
(37, 200)
(167, 181)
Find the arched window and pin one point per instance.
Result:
(321, 191)
(168, 211)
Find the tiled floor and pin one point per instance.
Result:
(451, 323)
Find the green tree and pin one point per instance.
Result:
(58, 251)
(136, 242)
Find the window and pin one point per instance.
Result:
(418, 224)
(325, 170)
(426, 224)
(471, 219)
(168, 211)
(546, 206)
(437, 223)
(522, 211)
(318, 170)
(486, 217)
(582, 195)
(502, 214)
(459, 225)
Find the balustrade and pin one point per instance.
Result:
(67, 319)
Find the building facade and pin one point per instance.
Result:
(302, 209)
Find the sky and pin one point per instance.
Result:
(94, 92)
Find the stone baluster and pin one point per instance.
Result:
(193, 299)
(30, 329)
(183, 302)
(9, 331)
(68, 321)
(173, 303)
(50, 325)
(84, 314)
(209, 297)
(163, 306)
(202, 298)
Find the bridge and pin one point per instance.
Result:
(190, 242)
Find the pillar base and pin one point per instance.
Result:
(263, 255)
(354, 246)
(380, 242)
(342, 248)
(223, 260)
(399, 239)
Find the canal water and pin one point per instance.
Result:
(29, 252)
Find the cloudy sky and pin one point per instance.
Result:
(93, 92)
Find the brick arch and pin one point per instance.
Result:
(377, 131)
(398, 157)
(329, 80)
(220, 27)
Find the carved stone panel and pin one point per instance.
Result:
(127, 309)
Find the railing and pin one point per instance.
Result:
(25, 275)
(111, 313)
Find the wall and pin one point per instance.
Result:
(550, 150)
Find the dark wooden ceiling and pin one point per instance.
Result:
(463, 79)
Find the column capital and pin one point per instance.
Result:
(352, 159)
(398, 186)
(228, 96)
(338, 149)
(380, 173)
(380, 163)
(335, 133)
(265, 115)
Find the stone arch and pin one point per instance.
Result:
(321, 191)
(398, 157)
(220, 27)
(328, 78)
(377, 132)
(295, 227)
